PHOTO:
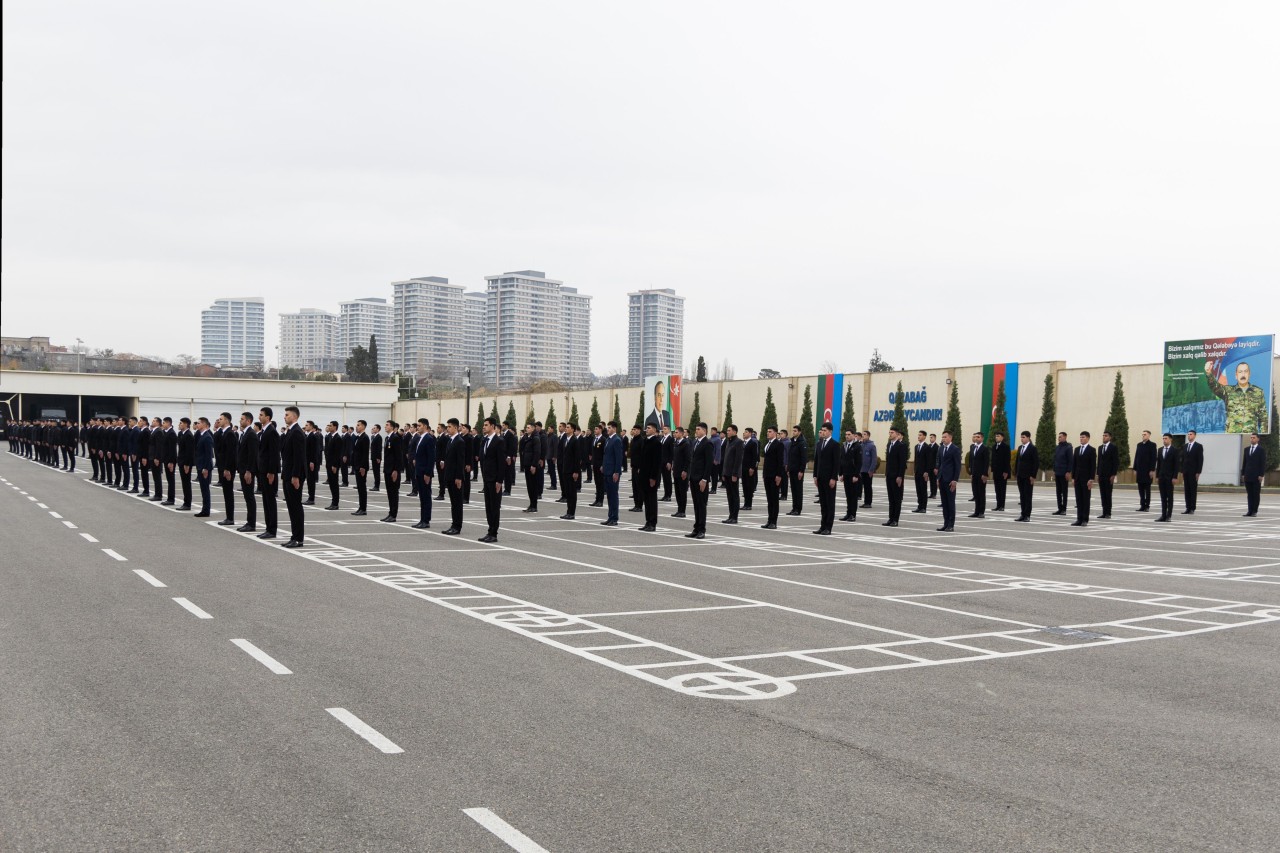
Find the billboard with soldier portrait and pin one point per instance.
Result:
(1218, 385)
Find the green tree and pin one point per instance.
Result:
(493, 410)
(325, 377)
(1000, 420)
(529, 416)
(550, 422)
(617, 410)
(1118, 422)
(511, 414)
(952, 424)
(695, 417)
(573, 413)
(728, 412)
(362, 365)
(593, 419)
(770, 417)
(1047, 429)
(1271, 441)
(878, 364)
(806, 419)
(373, 359)
(290, 373)
(479, 415)
(899, 412)
(847, 421)
(640, 417)
(700, 375)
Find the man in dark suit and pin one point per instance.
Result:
(668, 452)
(933, 466)
(171, 461)
(247, 471)
(923, 468)
(186, 459)
(1063, 458)
(1026, 466)
(375, 456)
(979, 471)
(731, 471)
(392, 466)
(1192, 464)
(442, 450)
(851, 473)
(224, 445)
(204, 464)
(424, 462)
(1084, 471)
(611, 465)
(551, 454)
(826, 473)
(701, 465)
(750, 466)
(948, 473)
(333, 451)
(493, 474)
(315, 460)
(513, 455)
(651, 475)
(1144, 466)
(293, 474)
(567, 459)
(895, 473)
(599, 438)
(1001, 469)
(1108, 467)
(775, 474)
(360, 466)
(870, 464)
(680, 471)
(1253, 467)
(454, 473)
(411, 440)
(530, 450)
(797, 461)
(268, 470)
(348, 446)
(635, 450)
(1166, 475)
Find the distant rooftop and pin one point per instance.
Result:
(436, 278)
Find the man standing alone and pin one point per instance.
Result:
(1144, 465)
(1253, 467)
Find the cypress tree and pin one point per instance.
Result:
(1118, 422)
(528, 416)
(953, 417)
(593, 420)
(1271, 441)
(573, 413)
(1047, 430)
(806, 420)
(511, 414)
(847, 421)
(1000, 420)
(770, 418)
(493, 410)
(899, 414)
(550, 422)
(372, 360)
(696, 416)
(640, 417)
(617, 410)
(479, 415)
(701, 374)
(728, 412)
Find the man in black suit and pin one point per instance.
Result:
(513, 456)
(1063, 459)
(375, 456)
(393, 465)
(933, 466)
(247, 471)
(1108, 467)
(1166, 475)
(348, 448)
(979, 470)
(635, 451)
(454, 473)
(731, 471)
(1084, 470)
(530, 450)
(1026, 467)
(851, 473)
(567, 459)
(293, 473)
(750, 466)
(442, 449)
(651, 475)
(268, 470)
(360, 466)
(924, 466)
(680, 458)
(797, 460)
(775, 473)
(895, 473)
(668, 452)
(186, 460)
(1253, 467)
(205, 466)
(1144, 466)
(224, 445)
(826, 473)
(701, 463)
(157, 457)
(411, 439)
(948, 472)
(144, 457)
(171, 461)
(1001, 468)
(1192, 464)
(493, 471)
(315, 459)
(333, 452)
(598, 441)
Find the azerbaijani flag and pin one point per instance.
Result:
(830, 402)
(992, 376)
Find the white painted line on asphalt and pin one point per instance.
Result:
(30, 497)
(363, 729)
(148, 577)
(263, 658)
(113, 555)
(69, 524)
(55, 514)
(88, 537)
(512, 837)
(43, 506)
(192, 608)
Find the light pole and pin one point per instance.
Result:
(466, 414)
(277, 362)
(79, 354)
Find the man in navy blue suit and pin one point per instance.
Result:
(611, 472)
(424, 466)
(948, 473)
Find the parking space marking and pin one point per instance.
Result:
(360, 727)
(512, 837)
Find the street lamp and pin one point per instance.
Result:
(467, 413)
(277, 362)
(79, 354)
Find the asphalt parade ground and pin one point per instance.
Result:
(169, 684)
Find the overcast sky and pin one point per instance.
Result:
(954, 183)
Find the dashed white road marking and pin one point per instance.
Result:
(69, 524)
(88, 537)
(42, 506)
(115, 556)
(263, 658)
(365, 731)
(512, 837)
(200, 614)
(148, 577)
(55, 514)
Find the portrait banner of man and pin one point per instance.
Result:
(1218, 385)
(664, 394)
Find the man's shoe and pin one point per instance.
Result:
(201, 515)
(946, 529)
(226, 522)
(390, 519)
(439, 497)
(359, 512)
(167, 503)
(267, 534)
(793, 512)
(530, 509)
(487, 538)
(1022, 518)
(452, 531)
(1061, 512)
(567, 517)
(746, 507)
(422, 525)
(768, 527)
(868, 503)
(695, 535)
(976, 515)
(636, 509)
(246, 528)
(1188, 512)
(649, 528)
(918, 510)
(292, 543)
(609, 523)
(1079, 524)
(728, 521)
(309, 502)
(1102, 516)
(133, 491)
(890, 524)
(998, 509)
(677, 515)
(331, 507)
(1162, 518)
